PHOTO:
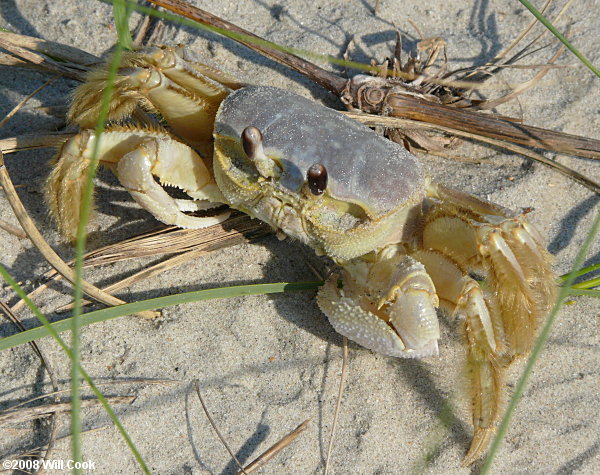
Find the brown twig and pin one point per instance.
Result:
(392, 122)
(281, 444)
(404, 106)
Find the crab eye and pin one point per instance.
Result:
(252, 142)
(316, 177)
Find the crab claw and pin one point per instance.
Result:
(137, 157)
(387, 306)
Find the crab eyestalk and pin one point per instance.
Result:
(252, 141)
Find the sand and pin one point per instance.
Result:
(267, 363)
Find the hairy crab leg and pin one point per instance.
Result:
(136, 157)
(461, 296)
(502, 318)
(504, 248)
(160, 80)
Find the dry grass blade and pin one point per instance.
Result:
(268, 454)
(11, 61)
(405, 105)
(533, 23)
(49, 254)
(338, 403)
(189, 243)
(44, 410)
(237, 229)
(68, 70)
(101, 383)
(143, 274)
(212, 423)
(521, 88)
(394, 122)
(21, 143)
(522, 35)
(11, 229)
(20, 105)
(51, 48)
(30, 52)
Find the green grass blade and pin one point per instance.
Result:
(585, 292)
(121, 12)
(122, 15)
(322, 58)
(51, 331)
(585, 270)
(558, 34)
(155, 303)
(539, 344)
(588, 284)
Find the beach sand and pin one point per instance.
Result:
(267, 363)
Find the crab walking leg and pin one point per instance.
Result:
(501, 322)
(136, 156)
(159, 79)
(462, 297)
(65, 186)
(387, 306)
(506, 250)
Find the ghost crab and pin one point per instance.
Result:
(404, 246)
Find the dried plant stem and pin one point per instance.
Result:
(20, 105)
(21, 143)
(338, 403)
(525, 85)
(14, 230)
(522, 35)
(214, 426)
(101, 383)
(49, 254)
(39, 60)
(145, 274)
(281, 444)
(395, 122)
(192, 243)
(45, 410)
(69, 54)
